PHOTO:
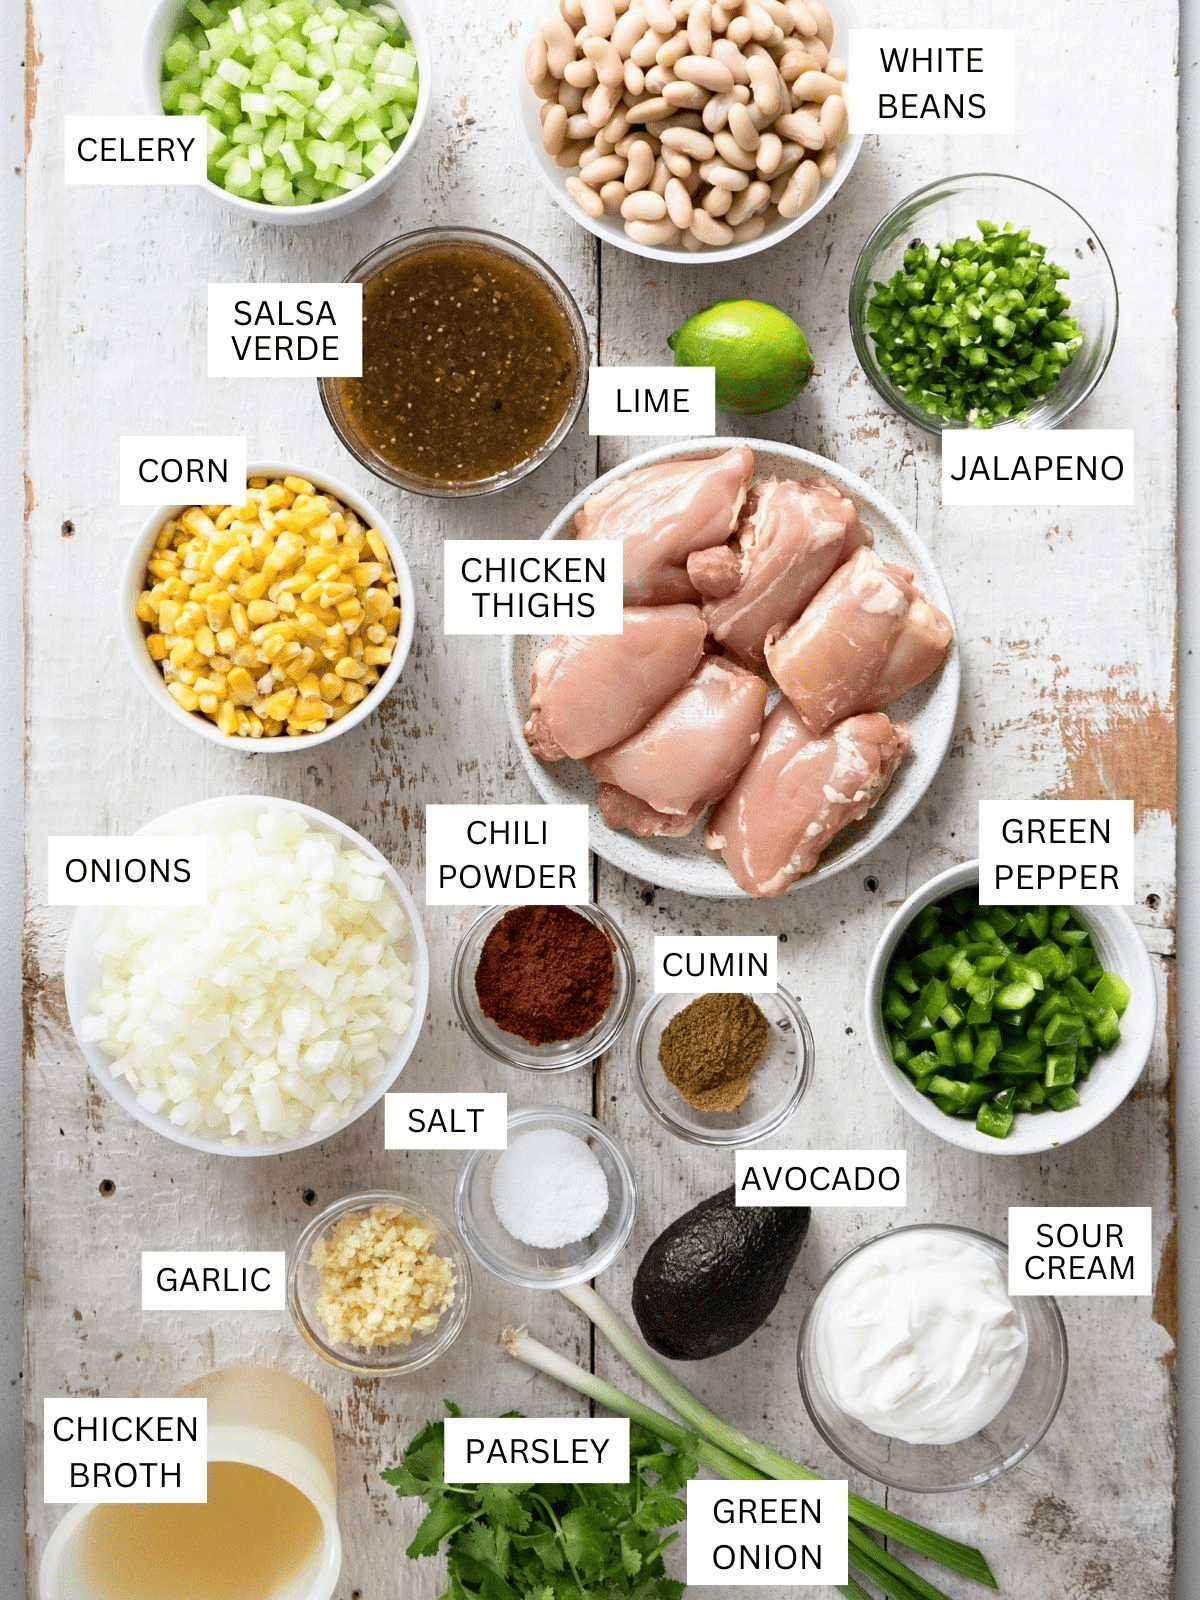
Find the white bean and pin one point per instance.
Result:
(560, 44)
(641, 165)
(662, 176)
(536, 60)
(678, 203)
(824, 22)
(613, 195)
(554, 129)
(605, 101)
(707, 71)
(718, 201)
(801, 190)
(835, 120)
(770, 151)
(764, 81)
(618, 127)
(660, 16)
(629, 30)
(677, 164)
(710, 230)
(688, 96)
(691, 243)
(606, 59)
(716, 112)
(750, 229)
(803, 127)
(584, 197)
(569, 155)
(728, 54)
(581, 73)
(761, 26)
(645, 51)
(742, 128)
(653, 233)
(598, 172)
(794, 62)
(653, 110)
(837, 68)
(579, 126)
(815, 86)
(690, 142)
(570, 98)
(644, 206)
(635, 78)
(600, 16)
(657, 79)
(748, 203)
(827, 162)
(803, 21)
(572, 10)
(672, 51)
(699, 28)
(732, 152)
(722, 176)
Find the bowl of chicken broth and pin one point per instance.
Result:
(680, 860)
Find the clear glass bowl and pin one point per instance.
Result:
(951, 208)
(777, 1084)
(564, 1054)
(303, 1286)
(526, 1265)
(970, 1463)
(343, 423)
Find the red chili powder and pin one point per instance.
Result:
(545, 973)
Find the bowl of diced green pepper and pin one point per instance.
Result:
(983, 301)
(1008, 1029)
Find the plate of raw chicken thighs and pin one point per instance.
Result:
(784, 688)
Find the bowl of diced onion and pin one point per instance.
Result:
(371, 684)
(312, 105)
(274, 1014)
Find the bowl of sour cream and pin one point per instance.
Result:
(918, 1368)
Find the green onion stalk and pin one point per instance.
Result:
(730, 1453)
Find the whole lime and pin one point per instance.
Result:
(761, 356)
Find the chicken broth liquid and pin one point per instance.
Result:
(469, 363)
(250, 1541)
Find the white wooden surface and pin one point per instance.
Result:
(1067, 633)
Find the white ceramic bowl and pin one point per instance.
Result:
(82, 973)
(164, 20)
(1119, 948)
(525, 105)
(147, 672)
(930, 710)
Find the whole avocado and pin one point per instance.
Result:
(715, 1274)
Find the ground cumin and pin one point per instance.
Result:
(709, 1049)
(546, 974)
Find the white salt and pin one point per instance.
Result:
(548, 1189)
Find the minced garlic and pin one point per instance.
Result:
(381, 1280)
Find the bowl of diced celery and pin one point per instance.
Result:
(1008, 1029)
(983, 301)
(312, 105)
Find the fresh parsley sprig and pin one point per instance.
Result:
(550, 1541)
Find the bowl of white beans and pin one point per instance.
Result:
(695, 130)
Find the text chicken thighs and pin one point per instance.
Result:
(591, 691)
(791, 538)
(797, 791)
(868, 637)
(663, 513)
(687, 755)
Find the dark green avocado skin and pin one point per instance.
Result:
(713, 1277)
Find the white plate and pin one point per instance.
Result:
(526, 106)
(930, 710)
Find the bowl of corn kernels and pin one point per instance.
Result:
(273, 624)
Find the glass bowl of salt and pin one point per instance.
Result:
(555, 1208)
(770, 1092)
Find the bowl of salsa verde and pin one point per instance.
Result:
(475, 363)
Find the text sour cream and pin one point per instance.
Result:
(917, 1338)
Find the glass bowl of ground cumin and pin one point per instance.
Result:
(546, 988)
(714, 1075)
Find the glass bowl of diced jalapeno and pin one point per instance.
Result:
(983, 301)
(1008, 1029)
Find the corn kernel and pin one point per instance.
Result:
(353, 693)
(376, 655)
(156, 647)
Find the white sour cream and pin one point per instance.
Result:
(918, 1339)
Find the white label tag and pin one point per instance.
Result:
(143, 870)
(213, 1280)
(131, 150)
(311, 330)
(820, 1177)
(699, 963)
(506, 855)
(743, 1533)
(497, 586)
(1037, 467)
(1078, 1250)
(1067, 852)
(445, 1121)
(652, 400)
(178, 469)
(537, 1450)
(125, 1451)
(932, 80)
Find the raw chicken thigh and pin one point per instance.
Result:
(690, 751)
(631, 815)
(663, 513)
(794, 537)
(797, 791)
(868, 637)
(591, 691)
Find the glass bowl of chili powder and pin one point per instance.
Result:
(546, 988)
